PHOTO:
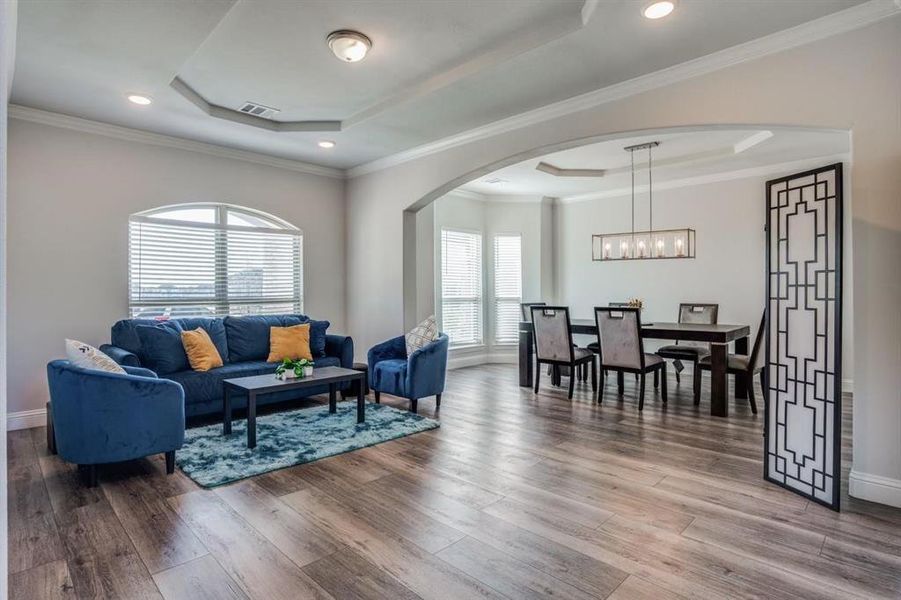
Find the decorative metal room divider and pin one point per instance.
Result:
(803, 333)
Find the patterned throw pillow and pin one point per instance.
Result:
(88, 357)
(423, 334)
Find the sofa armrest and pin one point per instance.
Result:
(122, 356)
(139, 371)
(427, 369)
(341, 347)
(101, 417)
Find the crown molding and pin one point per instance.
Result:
(762, 171)
(34, 115)
(467, 195)
(839, 22)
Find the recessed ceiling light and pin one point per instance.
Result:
(349, 46)
(657, 10)
(326, 144)
(138, 99)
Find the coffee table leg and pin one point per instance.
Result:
(361, 404)
(251, 420)
(332, 400)
(226, 413)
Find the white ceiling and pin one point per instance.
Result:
(436, 68)
(681, 156)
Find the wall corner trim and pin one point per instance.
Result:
(875, 488)
(34, 115)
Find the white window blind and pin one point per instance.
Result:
(461, 286)
(507, 287)
(210, 260)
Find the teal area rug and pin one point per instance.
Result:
(290, 438)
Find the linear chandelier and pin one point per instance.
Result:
(652, 244)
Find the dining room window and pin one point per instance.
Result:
(212, 259)
(461, 286)
(507, 287)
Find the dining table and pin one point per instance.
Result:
(719, 336)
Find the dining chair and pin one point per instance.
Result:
(593, 346)
(621, 349)
(748, 365)
(554, 344)
(691, 312)
(555, 372)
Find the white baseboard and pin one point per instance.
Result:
(848, 386)
(26, 419)
(875, 488)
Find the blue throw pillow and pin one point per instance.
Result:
(317, 337)
(161, 347)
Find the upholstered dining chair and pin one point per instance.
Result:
(621, 349)
(750, 365)
(691, 351)
(593, 346)
(554, 371)
(554, 344)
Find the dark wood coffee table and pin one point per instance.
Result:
(267, 384)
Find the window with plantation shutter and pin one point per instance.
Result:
(213, 259)
(507, 287)
(461, 286)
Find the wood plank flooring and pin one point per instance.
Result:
(516, 495)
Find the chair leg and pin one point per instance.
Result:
(378, 397)
(594, 375)
(437, 401)
(537, 377)
(89, 474)
(170, 462)
(414, 405)
(619, 382)
(751, 394)
(572, 380)
(663, 386)
(656, 378)
(51, 436)
(641, 393)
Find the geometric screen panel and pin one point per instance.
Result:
(803, 333)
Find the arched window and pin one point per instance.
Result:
(212, 259)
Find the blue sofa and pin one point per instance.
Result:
(413, 377)
(243, 344)
(98, 417)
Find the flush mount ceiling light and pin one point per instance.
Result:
(349, 46)
(326, 144)
(658, 10)
(138, 99)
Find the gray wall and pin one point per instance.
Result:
(851, 81)
(70, 196)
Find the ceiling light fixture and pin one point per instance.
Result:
(138, 99)
(326, 144)
(349, 46)
(643, 245)
(658, 10)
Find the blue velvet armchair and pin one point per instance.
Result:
(99, 417)
(413, 377)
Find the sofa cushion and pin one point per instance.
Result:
(248, 337)
(206, 386)
(124, 333)
(161, 347)
(318, 331)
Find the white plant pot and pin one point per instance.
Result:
(308, 371)
(288, 374)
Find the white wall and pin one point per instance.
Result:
(729, 269)
(851, 81)
(7, 61)
(70, 196)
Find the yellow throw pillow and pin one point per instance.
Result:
(289, 342)
(201, 351)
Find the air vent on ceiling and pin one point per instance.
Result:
(258, 110)
(496, 180)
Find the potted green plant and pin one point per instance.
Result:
(291, 369)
